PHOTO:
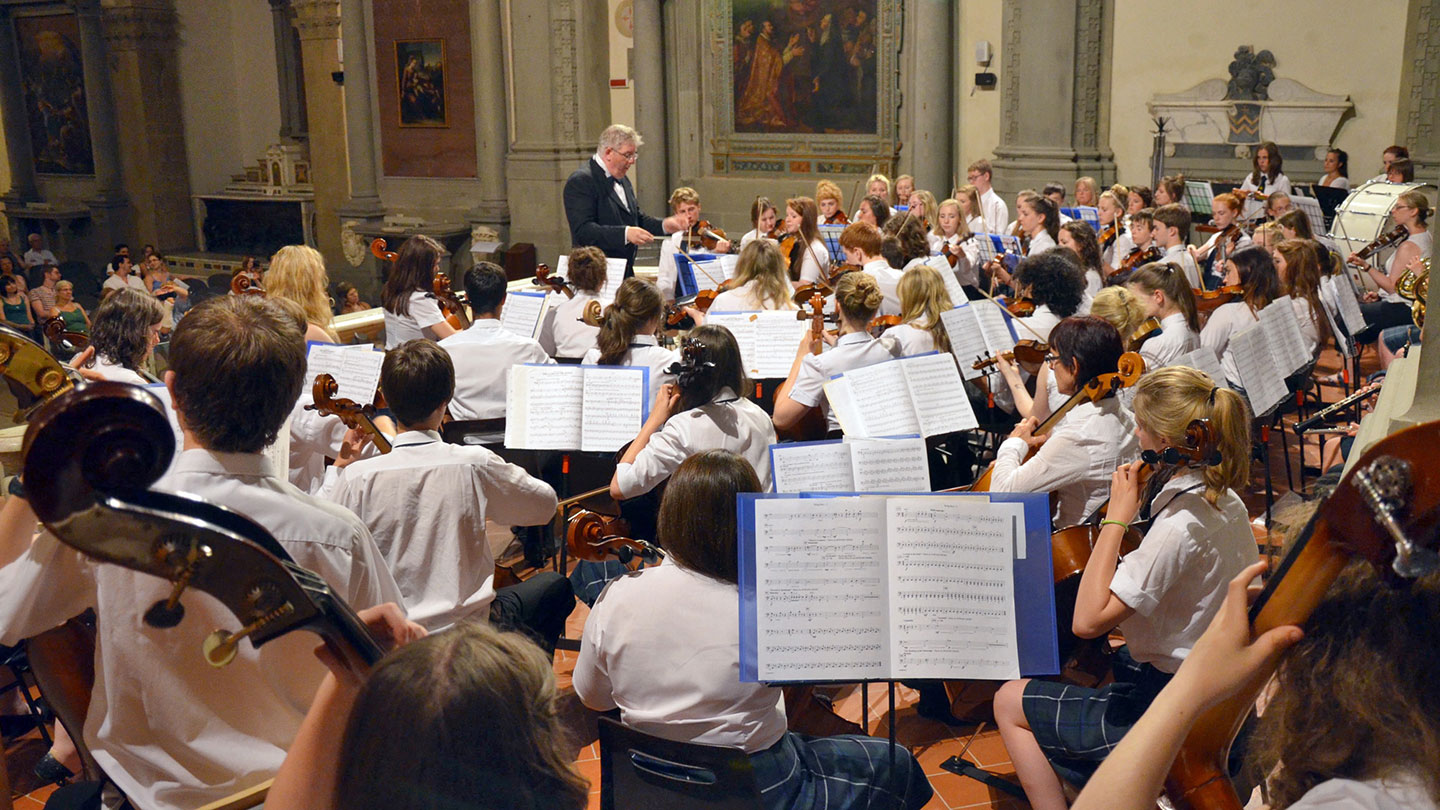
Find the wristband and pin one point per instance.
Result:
(15, 487)
(1115, 523)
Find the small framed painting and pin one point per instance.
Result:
(420, 82)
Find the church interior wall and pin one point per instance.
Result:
(977, 127)
(622, 99)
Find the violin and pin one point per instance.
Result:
(838, 218)
(789, 248)
(1382, 511)
(1391, 237)
(1207, 301)
(706, 235)
(675, 316)
(1108, 234)
(1128, 371)
(450, 304)
(1148, 328)
(1028, 353)
(68, 341)
(952, 252)
(880, 323)
(825, 286)
(705, 298)
(597, 538)
(1020, 307)
(353, 414)
(1137, 257)
(243, 283)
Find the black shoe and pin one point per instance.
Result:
(49, 770)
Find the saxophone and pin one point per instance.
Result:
(1415, 286)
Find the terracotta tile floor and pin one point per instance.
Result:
(931, 742)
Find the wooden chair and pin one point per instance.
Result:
(639, 770)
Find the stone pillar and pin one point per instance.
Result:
(1416, 126)
(492, 129)
(141, 38)
(17, 125)
(364, 198)
(108, 206)
(1055, 106)
(318, 23)
(651, 186)
(562, 89)
(289, 83)
(931, 94)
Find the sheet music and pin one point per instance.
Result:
(947, 274)
(1282, 333)
(878, 396)
(742, 327)
(612, 406)
(995, 326)
(523, 312)
(1348, 304)
(889, 465)
(1263, 381)
(356, 369)
(1203, 359)
(821, 598)
(937, 394)
(542, 407)
(719, 268)
(812, 467)
(967, 342)
(952, 587)
(614, 277)
(777, 334)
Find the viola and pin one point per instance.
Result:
(824, 286)
(704, 234)
(1382, 511)
(1207, 301)
(1108, 234)
(1028, 353)
(705, 298)
(69, 341)
(1137, 257)
(597, 538)
(675, 316)
(1020, 307)
(1148, 328)
(450, 304)
(1391, 237)
(882, 322)
(790, 244)
(353, 414)
(1128, 372)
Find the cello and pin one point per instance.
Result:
(353, 414)
(450, 304)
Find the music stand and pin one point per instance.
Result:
(831, 235)
(1199, 197)
(1311, 207)
(1329, 200)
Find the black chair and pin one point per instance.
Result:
(638, 770)
(484, 432)
(14, 660)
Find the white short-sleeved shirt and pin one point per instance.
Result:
(645, 351)
(1181, 256)
(1382, 794)
(1176, 339)
(1077, 462)
(131, 281)
(888, 278)
(727, 422)
(1254, 208)
(745, 299)
(1340, 182)
(995, 212)
(1225, 321)
(426, 503)
(663, 646)
(313, 438)
(851, 351)
(913, 338)
(168, 728)
(814, 261)
(1177, 578)
(564, 334)
(1423, 240)
(483, 355)
(424, 314)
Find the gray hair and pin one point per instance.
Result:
(616, 136)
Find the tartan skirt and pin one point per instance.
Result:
(843, 772)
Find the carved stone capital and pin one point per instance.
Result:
(140, 25)
(316, 19)
(1420, 85)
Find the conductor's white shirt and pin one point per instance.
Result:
(727, 422)
(483, 355)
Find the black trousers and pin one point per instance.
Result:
(537, 607)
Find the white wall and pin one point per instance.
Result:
(978, 131)
(229, 96)
(1332, 46)
(622, 99)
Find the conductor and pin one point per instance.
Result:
(600, 202)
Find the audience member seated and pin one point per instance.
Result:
(350, 299)
(171, 291)
(16, 307)
(124, 277)
(38, 255)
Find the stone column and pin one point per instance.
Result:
(651, 185)
(287, 69)
(108, 205)
(318, 22)
(492, 129)
(563, 91)
(364, 199)
(141, 38)
(1055, 105)
(931, 94)
(1416, 126)
(17, 125)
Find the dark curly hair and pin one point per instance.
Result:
(1086, 242)
(120, 330)
(1053, 281)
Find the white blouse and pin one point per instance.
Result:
(563, 334)
(851, 351)
(727, 422)
(1224, 322)
(424, 314)
(745, 299)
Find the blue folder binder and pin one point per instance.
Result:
(1037, 644)
(685, 284)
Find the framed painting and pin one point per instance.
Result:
(52, 76)
(420, 82)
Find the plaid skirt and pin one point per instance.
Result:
(838, 773)
(1077, 727)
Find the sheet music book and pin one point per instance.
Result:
(1346, 302)
(1200, 196)
(767, 340)
(563, 407)
(974, 338)
(1282, 334)
(1260, 375)
(1343, 343)
(1311, 207)
(947, 274)
(862, 587)
(1085, 213)
(356, 369)
(867, 465)
(523, 312)
(1203, 359)
(702, 271)
(614, 276)
(920, 395)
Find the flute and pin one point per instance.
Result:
(1321, 415)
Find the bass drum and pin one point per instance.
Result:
(1365, 215)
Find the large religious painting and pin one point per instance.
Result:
(420, 79)
(53, 79)
(804, 66)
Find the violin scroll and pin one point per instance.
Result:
(379, 249)
(597, 538)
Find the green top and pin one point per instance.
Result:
(15, 313)
(75, 321)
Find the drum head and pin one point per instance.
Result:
(1365, 215)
